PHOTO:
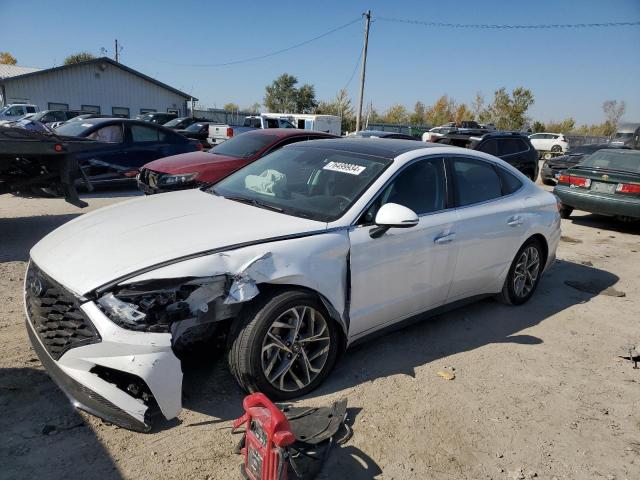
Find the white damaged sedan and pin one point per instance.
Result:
(289, 261)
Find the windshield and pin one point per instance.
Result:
(3, 109)
(623, 135)
(244, 145)
(73, 129)
(626, 160)
(194, 127)
(315, 183)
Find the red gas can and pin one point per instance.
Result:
(266, 438)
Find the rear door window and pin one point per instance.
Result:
(140, 133)
(509, 146)
(490, 147)
(476, 181)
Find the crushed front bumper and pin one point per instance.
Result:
(125, 377)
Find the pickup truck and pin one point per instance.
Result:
(14, 111)
(219, 133)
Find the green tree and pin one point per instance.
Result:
(396, 114)
(7, 59)
(509, 111)
(441, 112)
(282, 96)
(231, 107)
(78, 58)
(463, 113)
(342, 107)
(417, 117)
(565, 126)
(538, 127)
(254, 108)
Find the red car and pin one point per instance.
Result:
(191, 170)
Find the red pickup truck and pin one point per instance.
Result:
(191, 170)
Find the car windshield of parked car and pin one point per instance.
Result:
(194, 127)
(623, 135)
(625, 160)
(73, 129)
(244, 145)
(315, 183)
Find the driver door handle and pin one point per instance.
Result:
(514, 221)
(447, 238)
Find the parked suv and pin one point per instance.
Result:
(549, 142)
(512, 147)
(52, 116)
(14, 111)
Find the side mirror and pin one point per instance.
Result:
(392, 215)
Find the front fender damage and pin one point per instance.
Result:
(286, 262)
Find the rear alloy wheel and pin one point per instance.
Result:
(556, 148)
(284, 346)
(524, 274)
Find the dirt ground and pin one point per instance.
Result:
(539, 390)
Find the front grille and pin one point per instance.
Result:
(55, 314)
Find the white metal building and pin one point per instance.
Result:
(100, 85)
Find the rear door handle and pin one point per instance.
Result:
(448, 238)
(514, 221)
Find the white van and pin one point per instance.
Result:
(318, 123)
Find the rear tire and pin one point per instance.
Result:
(524, 274)
(565, 212)
(556, 148)
(275, 335)
(546, 181)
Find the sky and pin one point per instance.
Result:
(571, 72)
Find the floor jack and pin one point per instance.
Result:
(282, 442)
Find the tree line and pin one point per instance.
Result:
(506, 110)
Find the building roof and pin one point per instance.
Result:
(7, 71)
(32, 72)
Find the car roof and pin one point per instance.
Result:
(287, 132)
(378, 147)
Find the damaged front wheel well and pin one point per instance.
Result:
(269, 290)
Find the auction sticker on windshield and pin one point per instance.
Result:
(349, 168)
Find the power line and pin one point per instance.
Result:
(261, 57)
(506, 26)
(355, 69)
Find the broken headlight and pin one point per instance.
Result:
(179, 179)
(154, 305)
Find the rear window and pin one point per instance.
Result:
(73, 129)
(509, 146)
(244, 145)
(625, 160)
(476, 182)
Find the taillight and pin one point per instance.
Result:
(628, 188)
(199, 146)
(577, 181)
(57, 147)
(229, 132)
(130, 173)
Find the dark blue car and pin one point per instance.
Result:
(129, 144)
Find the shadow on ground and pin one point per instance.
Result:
(42, 436)
(212, 391)
(606, 223)
(19, 234)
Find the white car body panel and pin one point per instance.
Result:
(101, 246)
(195, 234)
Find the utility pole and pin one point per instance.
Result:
(364, 68)
(117, 56)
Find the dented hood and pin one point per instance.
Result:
(104, 245)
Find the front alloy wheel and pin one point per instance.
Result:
(283, 345)
(296, 348)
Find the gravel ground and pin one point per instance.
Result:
(539, 390)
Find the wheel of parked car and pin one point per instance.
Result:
(565, 212)
(524, 274)
(551, 183)
(283, 346)
(556, 148)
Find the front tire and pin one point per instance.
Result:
(565, 212)
(524, 274)
(284, 345)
